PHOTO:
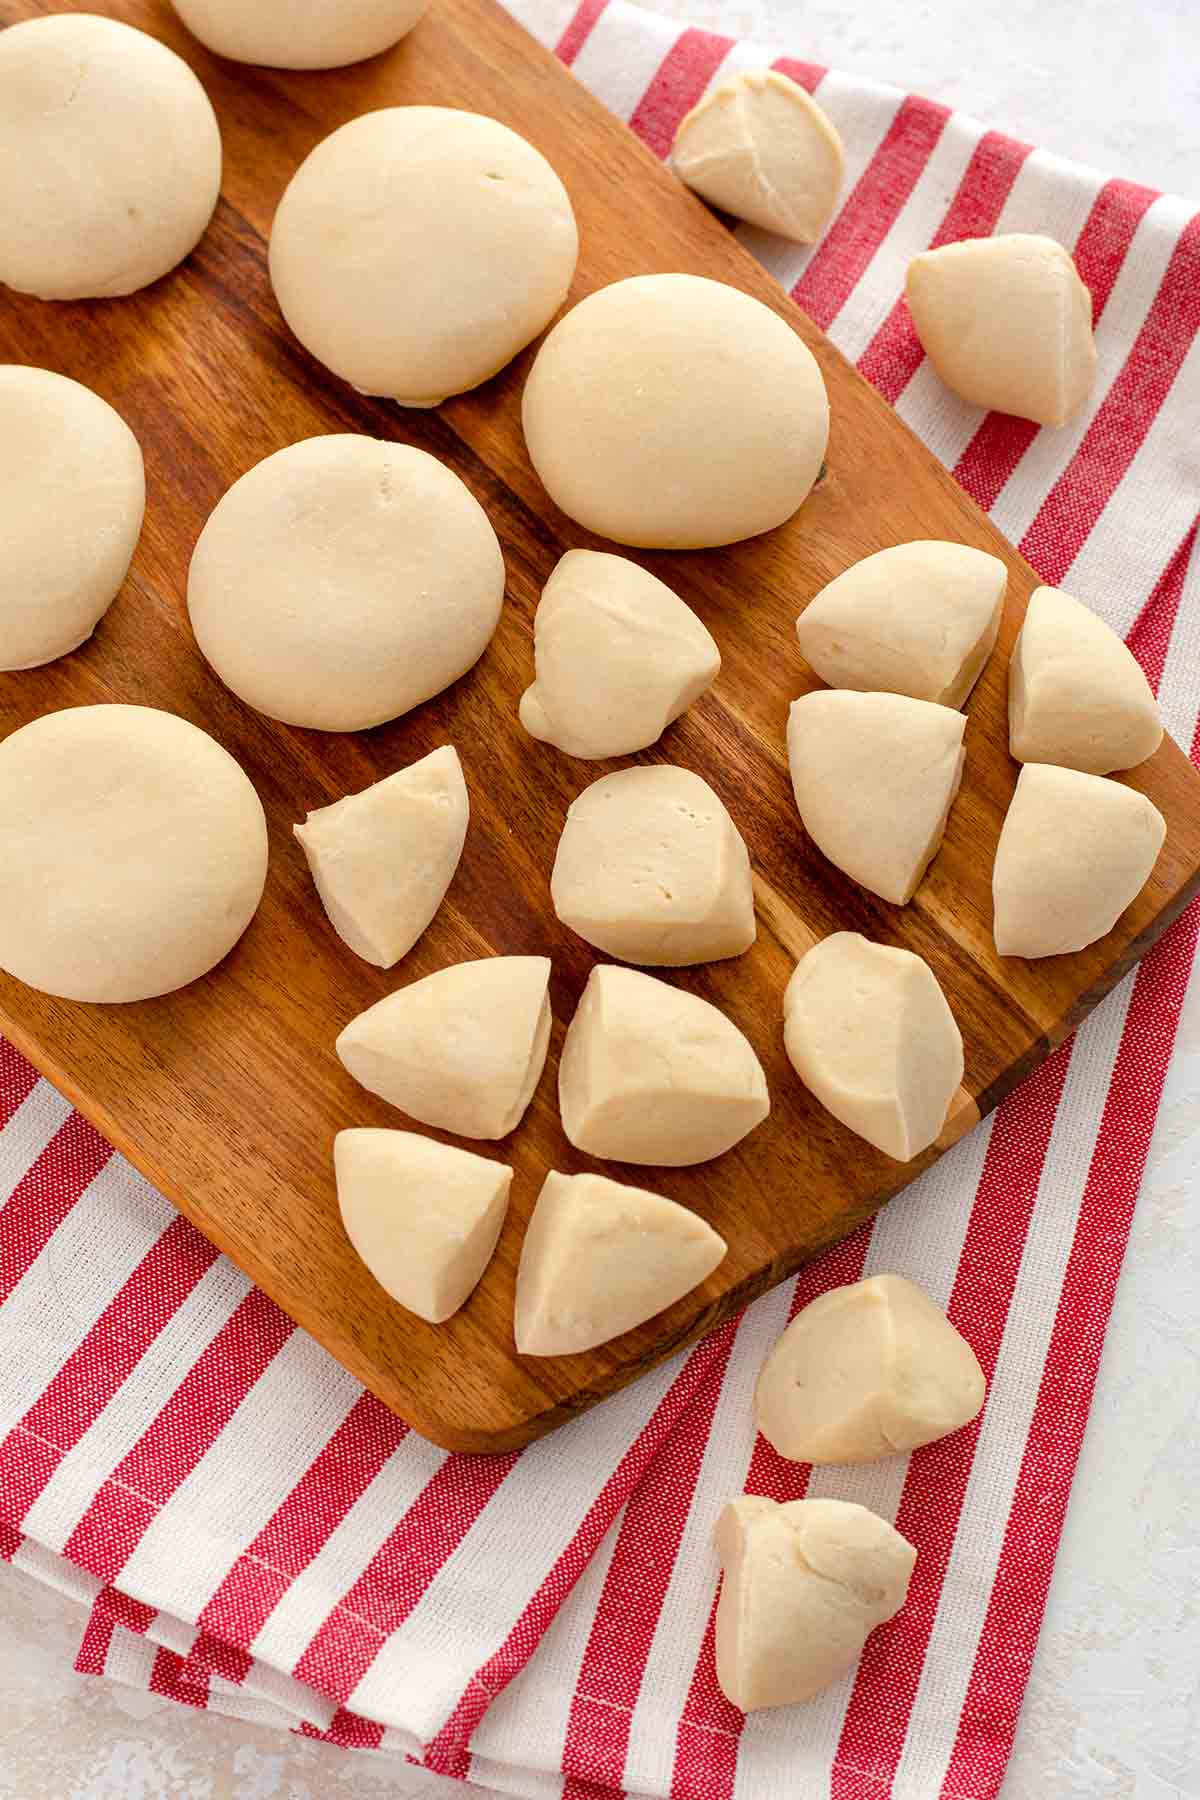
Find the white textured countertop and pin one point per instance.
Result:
(1113, 1708)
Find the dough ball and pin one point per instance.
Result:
(1076, 694)
(805, 1583)
(72, 495)
(868, 1031)
(1007, 323)
(383, 859)
(674, 412)
(133, 853)
(875, 776)
(110, 158)
(423, 1216)
(1074, 852)
(417, 249)
(618, 657)
(918, 619)
(650, 867)
(316, 34)
(600, 1258)
(651, 1074)
(759, 147)
(867, 1371)
(462, 1049)
(343, 581)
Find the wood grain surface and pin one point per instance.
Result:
(228, 1094)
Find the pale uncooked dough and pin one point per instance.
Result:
(417, 249)
(650, 867)
(600, 1258)
(875, 776)
(343, 581)
(918, 619)
(805, 1583)
(618, 657)
(110, 158)
(1007, 323)
(868, 1031)
(133, 853)
(383, 859)
(674, 412)
(1074, 852)
(423, 1216)
(652, 1074)
(315, 34)
(759, 147)
(462, 1049)
(72, 495)
(1076, 694)
(867, 1371)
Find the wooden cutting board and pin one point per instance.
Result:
(227, 1095)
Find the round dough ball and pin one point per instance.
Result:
(110, 158)
(416, 250)
(133, 853)
(672, 413)
(311, 34)
(343, 581)
(72, 495)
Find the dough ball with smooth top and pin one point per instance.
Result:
(1076, 694)
(674, 412)
(318, 34)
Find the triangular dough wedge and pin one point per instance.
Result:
(651, 1074)
(868, 1030)
(383, 859)
(1076, 695)
(805, 1583)
(600, 1258)
(1074, 852)
(423, 1216)
(875, 776)
(918, 619)
(618, 657)
(864, 1372)
(462, 1049)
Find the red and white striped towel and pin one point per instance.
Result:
(252, 1533)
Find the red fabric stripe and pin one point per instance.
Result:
(167, 1678)
(1150, 638)
(134, 1615)
(45, 1195)
(17, 1080)
(682, 77)
(10, 1542)
(807, 75)
(579, 30)
(92, 1654)
(348, 1731)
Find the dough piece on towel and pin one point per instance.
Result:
(652, 1074)
(462, 1049)
(875, 776)
(383, 859)
(919, 619)
(1074, 852)
(423, 1216)
(278, 34)
(650, 867)
(600, 1258)
(866, 1371)
(1076, 694)
(618, 657)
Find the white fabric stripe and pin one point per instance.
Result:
(621, 56)
(302, 1704)
(38, 1119)
(54, 1572)
(1177, 688)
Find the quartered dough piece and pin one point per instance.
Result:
(805, 1583)
(278, 34)
(651, 1074)
(1007, 323)
(758, 147)
(423, 1216)
(918, 619)
(650, 867)
(618, 657)
(1076, 695)
(462, 1049)
(868, 1030)
(1074, 852)
(875, 776)
(383, 859)
(600, 1258)
(867, 1371)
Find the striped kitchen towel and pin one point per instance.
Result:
(250, 1531)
